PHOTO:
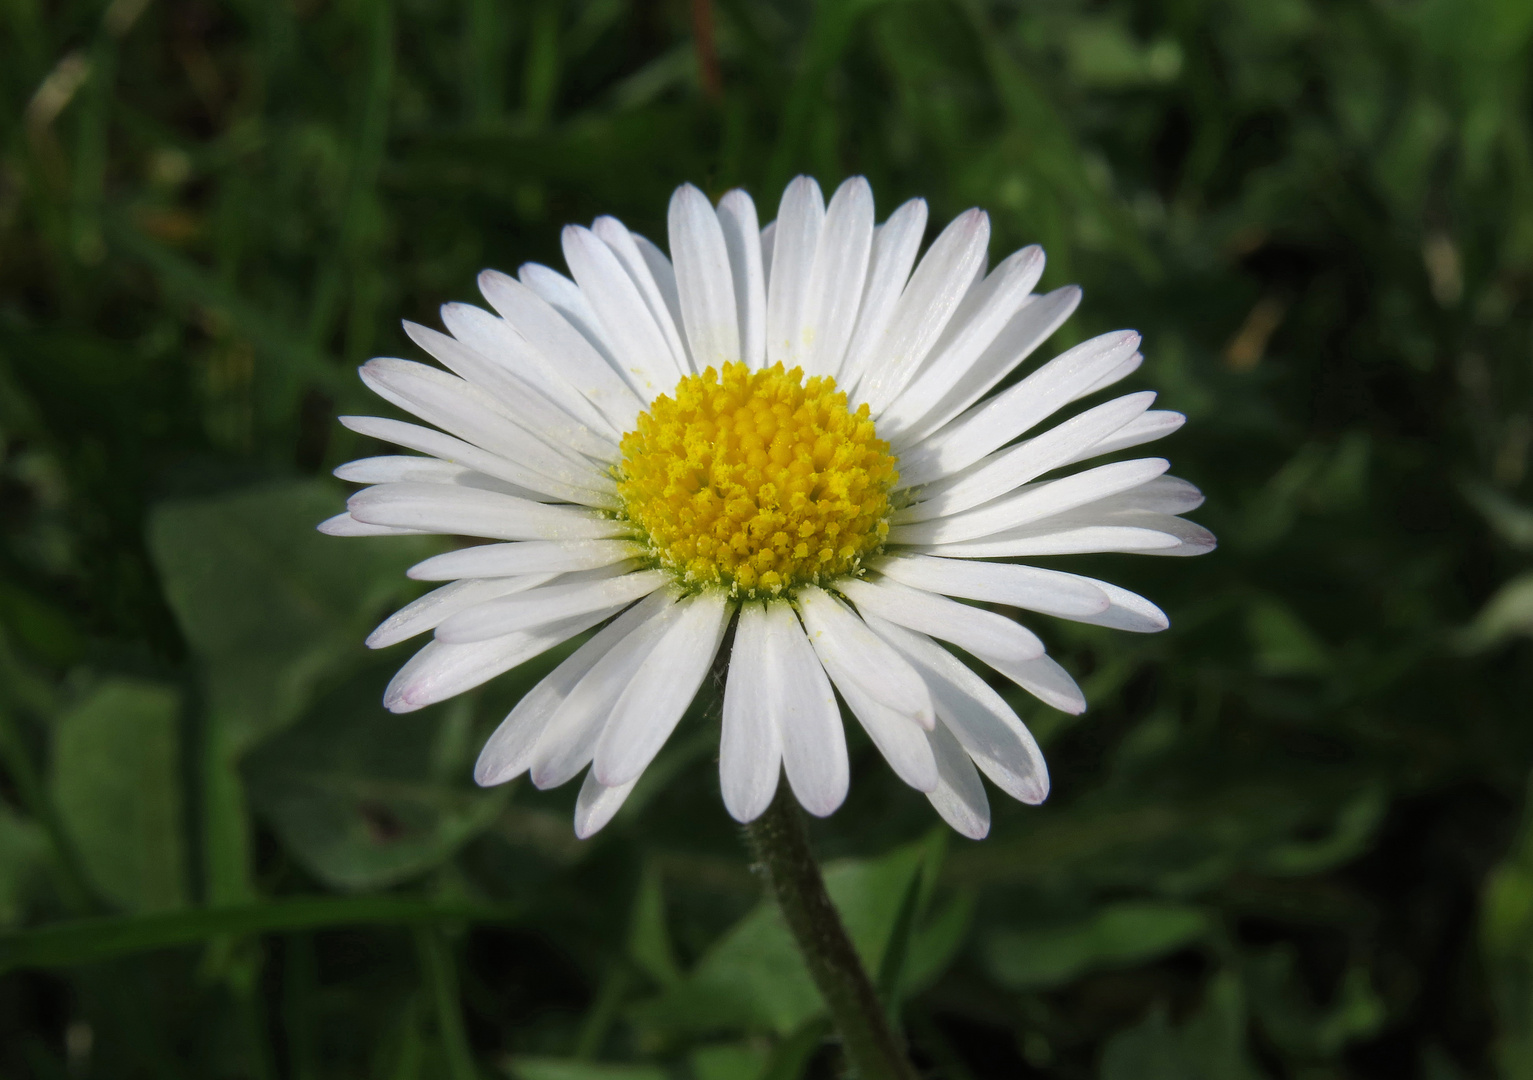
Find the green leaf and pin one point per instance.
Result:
(1210, 1046)
(116, 782)
(365, 798)
(753, 978)
(268, 604)
(533, 1068)
(1118, 935)
(732, 1061)
(23, 854)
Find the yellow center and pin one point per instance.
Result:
(757, 481)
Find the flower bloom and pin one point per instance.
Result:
(787, 431)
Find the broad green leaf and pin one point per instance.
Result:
(268, 604)
(116, 782)
(365, 798)
(1118, 935)
(23, 854)
(732, 1061)
(753, 978)
(530, 1068)
(1209, 1046)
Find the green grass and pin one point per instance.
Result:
(1287, 839)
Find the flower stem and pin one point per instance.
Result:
(781, 846)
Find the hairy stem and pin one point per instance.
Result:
(781, 846)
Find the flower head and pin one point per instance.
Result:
(787, 432)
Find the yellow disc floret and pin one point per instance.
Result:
(757, 482)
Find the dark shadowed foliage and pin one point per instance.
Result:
(1286, 842)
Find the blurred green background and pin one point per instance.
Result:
(1287, 841)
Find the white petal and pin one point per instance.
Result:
(900, 740)
(750, 746)
(452, 452)
(997, 421)
(851, 652)
(629, 329)
(400, 468)
(1033, 502)
(597, 804)
(659, 694)
(960, 794)
(928, 302)
(1155, 424)
(440, 671)
(704, 280)
(813, 742)
(768, 242)
(430, 611)
(1044, 679)
(562, 347)
(795, 238)
(572, 305)
(569, 740)
(967, 627)
(1053, 537)
(641, 270)
(991, 733)
(508, 753)
(836, 282)
(457, 407)
(895, 245)
(498, 340)
(742, 238)
(346, 525)
(525, 557)
(547, 604)
(1030, 327)
(466, 511)
(982, 317)
(664, 273)
(518, 397)
(1030, 587)
(1128, 611)
(1006, 470)
(1122, 370)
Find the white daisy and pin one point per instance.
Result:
(785, 430)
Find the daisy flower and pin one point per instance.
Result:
(790, 433)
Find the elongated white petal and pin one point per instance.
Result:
(836, 282)
(597, 804)
(548, 604)
(641, 268)
(346, 525)
(900, 740)
(568, 741)
(450, 452)
(659, 694)
(850, 652)
(561, 347)
(1033, 503)
(1155, 424)
(525, 557)
(1053, 538)
(1006, 470)
(627, 325)
(794, 241)
(1044, 679)
(768, 242)
(572, 305)
(934, 614)
(457, 407)
(998, 420)
(440, 671)
(465, 511)
(750, 745)
(813, 742)
(742, 238)
(664, 274)
(501, 342)
(959, 796)
(704, 280)
(987, 727)
(895, 245)
(1030, 587)
(430, 611)
(400, 468)
(1030, 327)
(508, 753)
(980, 319)
(939, 283)
(1127, 611)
